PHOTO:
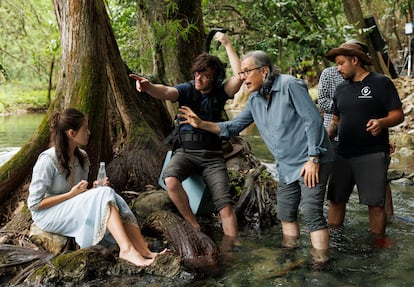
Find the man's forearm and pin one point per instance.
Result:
(211, 127)
(394, 118)
(162, 92)
(233, 58)
(332, 130)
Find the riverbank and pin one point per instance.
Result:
(20, 98)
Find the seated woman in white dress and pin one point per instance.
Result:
(61, 203)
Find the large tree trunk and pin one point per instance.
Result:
(126, 127)
(171, 63)
(353, 12)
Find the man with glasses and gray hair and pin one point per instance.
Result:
(292, 129)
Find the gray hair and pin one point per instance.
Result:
(261, 59)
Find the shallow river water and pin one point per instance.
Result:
(356, 259)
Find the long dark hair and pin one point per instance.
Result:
(61, 122)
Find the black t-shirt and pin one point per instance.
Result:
(356, 103)
(186, 93)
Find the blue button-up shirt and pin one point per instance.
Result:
(289, 123)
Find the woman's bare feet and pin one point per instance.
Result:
(136, 258)
(152, 255)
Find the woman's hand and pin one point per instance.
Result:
(106, 183)
(50, 201)
(82, 186)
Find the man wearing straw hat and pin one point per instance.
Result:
(365, 105)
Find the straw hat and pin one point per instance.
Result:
(351, 48)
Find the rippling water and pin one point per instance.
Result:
(357, 259)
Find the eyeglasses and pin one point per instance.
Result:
(247, 72)
(202, 75)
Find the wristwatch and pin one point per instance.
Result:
(314, 159)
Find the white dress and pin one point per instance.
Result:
(84, 216)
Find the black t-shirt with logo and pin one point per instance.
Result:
(356, 103)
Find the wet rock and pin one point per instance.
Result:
(410, 176)
(74, 267)
(394, 174)
(51, 242)
(405, 86)
(274, 263)
(170, 266)
(405, 152)
(150, 201)
(403, 181)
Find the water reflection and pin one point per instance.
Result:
(15, 130)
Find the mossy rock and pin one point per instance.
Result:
(74, 267)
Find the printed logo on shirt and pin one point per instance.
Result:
(365, 93)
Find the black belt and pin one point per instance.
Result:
(199, 141)
(193, 137)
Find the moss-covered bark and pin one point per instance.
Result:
(124, 125)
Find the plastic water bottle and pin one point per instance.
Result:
(101, 174)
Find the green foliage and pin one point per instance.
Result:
(289, 31)
(123, 14)
(236, 181)
(169, 31)
(294, 33)
(136, 50)
(29, 40)
(15, 96)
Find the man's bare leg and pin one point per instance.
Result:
(389, 207)
(377, 219)
(229, 221)
(290, 232)
(336, 213)
(320, 244)
(180, 199)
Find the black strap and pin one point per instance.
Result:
(173, 134)
(195, 140)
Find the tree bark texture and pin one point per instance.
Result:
(93, 78)
(353, 12)
(197, 250)
(126, 127)
(172, 64)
